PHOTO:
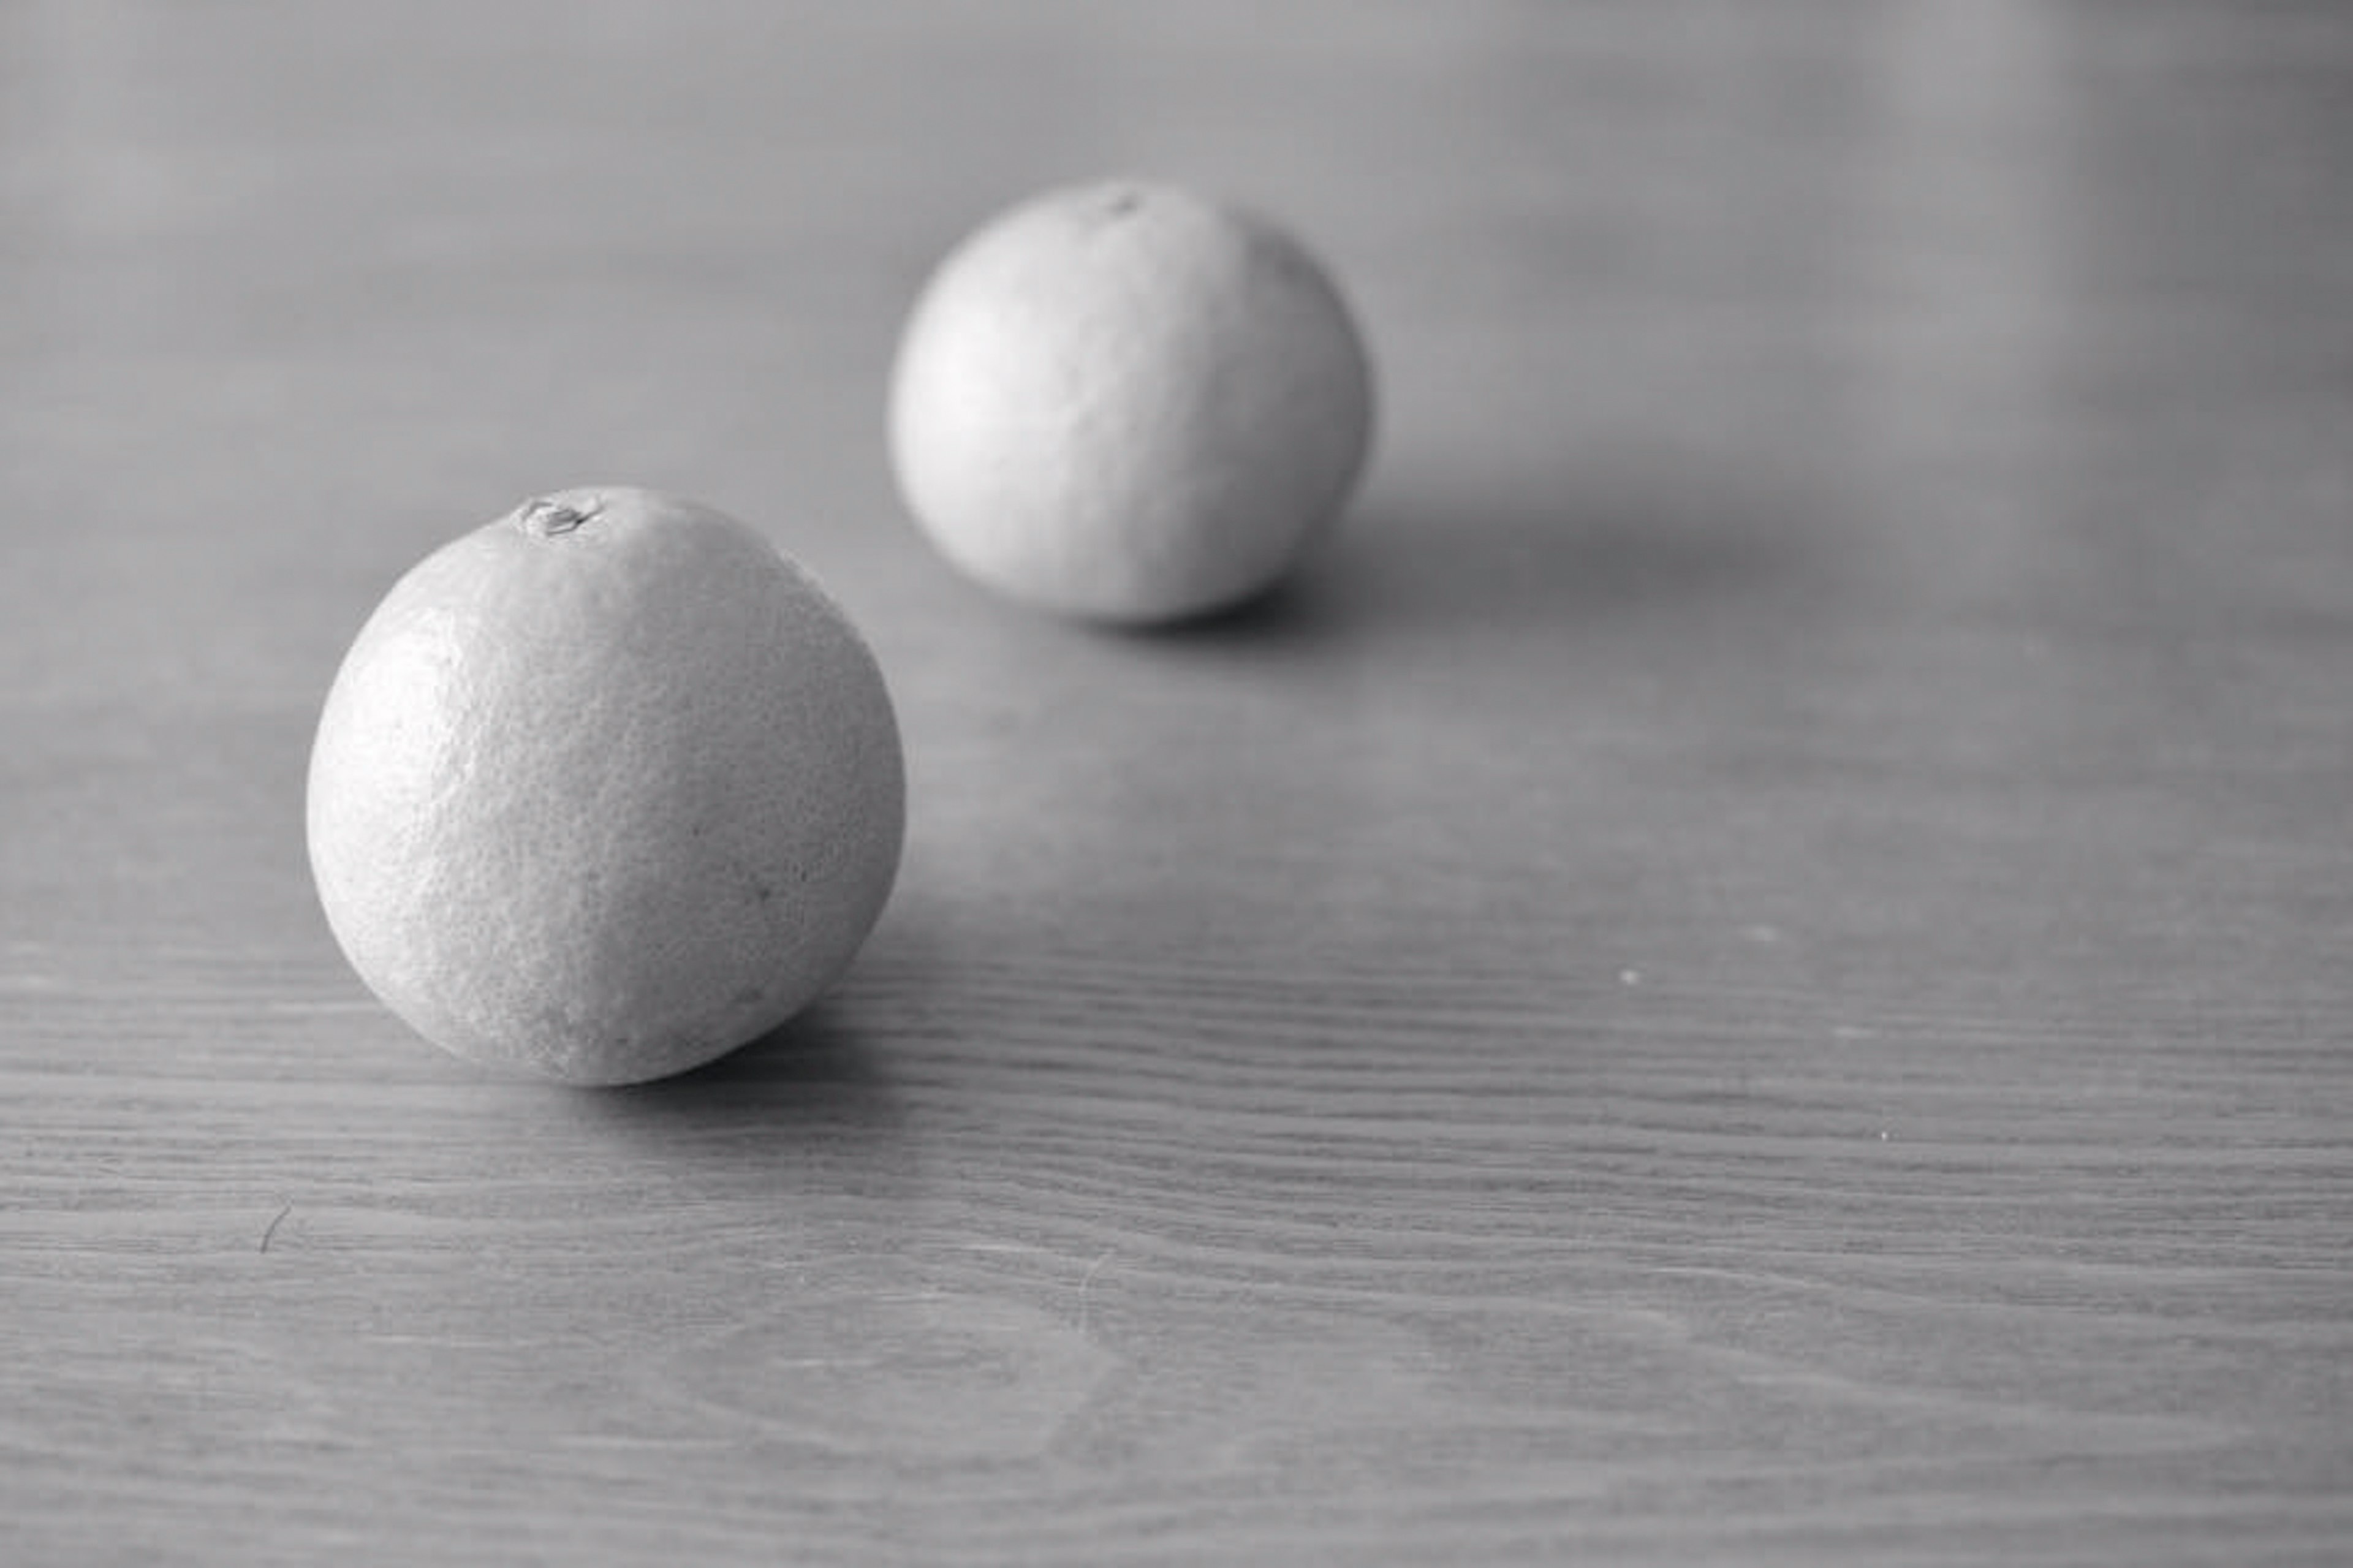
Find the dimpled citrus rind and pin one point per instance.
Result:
(604, 790)
(1124, 402)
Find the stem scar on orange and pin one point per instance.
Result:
(605, 789)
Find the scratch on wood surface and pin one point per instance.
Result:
(1086, 1282)
(271, 1228)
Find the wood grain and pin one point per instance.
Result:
(1750, 967)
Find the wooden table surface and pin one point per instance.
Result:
(1754, 965)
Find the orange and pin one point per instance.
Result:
(605, 789)
(1126, 402)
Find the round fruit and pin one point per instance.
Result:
(1123, 402)
(604, 790)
